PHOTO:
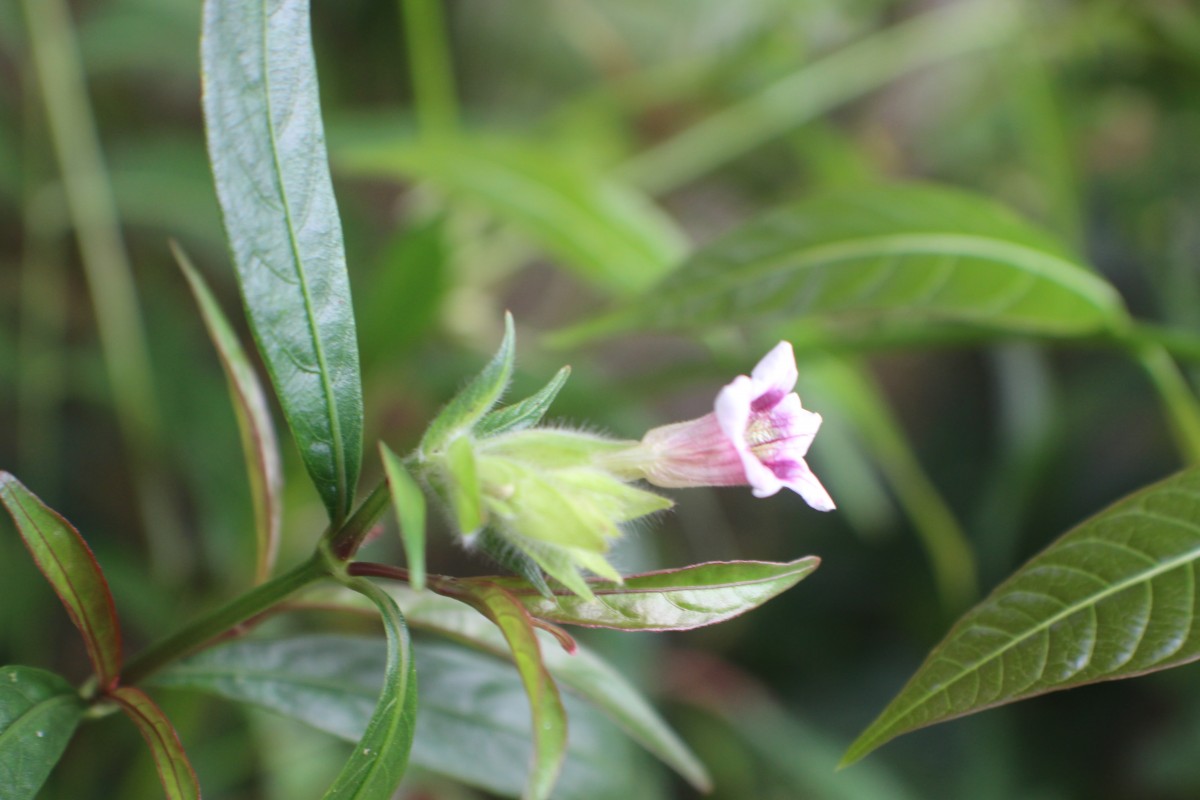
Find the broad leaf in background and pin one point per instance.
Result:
(259, 444)
(669, 600)
(906, 255)
(546, 708)
(39, 712)
(409, 504)
(378, 762)
(476, 398)
(68, 564)
(174, 769)
(267, 147)
(1113, 598)
(609, 233)
(474, 718)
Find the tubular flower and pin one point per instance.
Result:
(756, 435)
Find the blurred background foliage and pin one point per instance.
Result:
(573, 153)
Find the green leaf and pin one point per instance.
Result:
(474, 719)
(608, 232)
(476, 399)
(669, 600)
(582, 671)
(525, 414)
(68, 564)
(174, 769)
(259, 445)
(267, 147)
(546, 709)
(903, 256)
(378, 762)
(466, 496)
(409, 503)
(39, 712)
(1113, 598)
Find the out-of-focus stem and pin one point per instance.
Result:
(1178, 399)
(432, 68)
(105, 262)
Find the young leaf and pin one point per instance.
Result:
(905, 255)
(409, 503)
(378, 762)
(476, 399)
(582, 672)
(174, 769)
(668, 600)
(68, 564)
(267, 146)
(525, 414)
(253, 417)
(39, 712)
(1113, 598)
(466, 496)
(546, 709)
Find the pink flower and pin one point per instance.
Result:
(757, 435)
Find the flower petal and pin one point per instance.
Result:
(776, 371)
(803, 482)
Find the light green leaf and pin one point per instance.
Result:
(259, 445)
(670, 600)
(267, 147)
(546, 709)
(476, 399)
(39, 712)
(409, 503)
(174, 770)
(608, 232)
(1113, 598)
(908, 256)
(72, 571)
(525, 414)
(380, 758)
(466, 496)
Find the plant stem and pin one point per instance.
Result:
(1179, 402)
(432, 67)
(345, 541)
(212, 625)
(106, 265)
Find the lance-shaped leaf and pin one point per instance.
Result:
(546, 709)
(581, 671)
(476, 399)
(39, 712)
(174, 770)
(409, 503)
(377, 763)
(68, 564)
(267, 147)
(253, 417)
(1113, 598)
(908, 256)
(668, 600)
(525, 414)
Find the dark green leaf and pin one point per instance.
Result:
(174, 769)
(670, 600)
(525, 414)
(546, 709)
(267, 147)
(476, 399)
(378, 762)
(409, 503)
(609, 233)
(1113, 598)
(904, 255)
(39, 712)
(474, 718)
(68, 564)
(259, 445)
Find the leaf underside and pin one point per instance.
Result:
(1113, 598)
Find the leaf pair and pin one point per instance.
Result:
(39, 709)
